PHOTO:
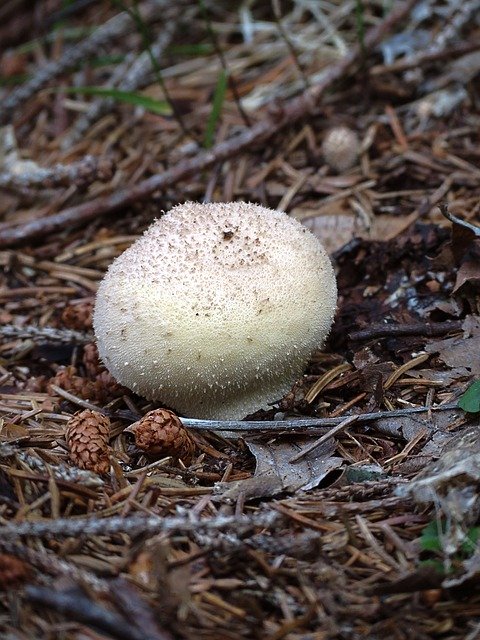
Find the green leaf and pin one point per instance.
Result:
(159, 107)
(470, 401)
(204, 49)
(360, 23)
(13, 80)
(430, 538)
(469, 545)
(435, 565)
(218, 99)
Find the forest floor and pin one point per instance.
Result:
(112, 112)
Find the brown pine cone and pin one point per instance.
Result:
(160, 433)
(101, 389)
(87, 437)
(67, 378)
(78, 316)
(91, 361)
(13, 571)
(104, 388)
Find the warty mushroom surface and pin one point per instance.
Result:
(216, 309)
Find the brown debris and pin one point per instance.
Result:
(78, 316)
(87, 435)
(101, 388)
(13, 572)
(160, 433)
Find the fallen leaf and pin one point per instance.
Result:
(337, 229)
(470, 400)
(460, 351)
(275, 473)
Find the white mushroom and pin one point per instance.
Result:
(340, 148)
(216, 309)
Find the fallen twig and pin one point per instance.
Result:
(314, 445)
(25, 173)
(281, 116)
(428, 329)
(133, 525)
(49, 563)
(135, 608)
(45, 334)
(76, 606)
(313, 426)
(423, 58)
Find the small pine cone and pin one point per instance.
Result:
(66, 378)
(91, 361)
(87, 437)
(104, 388)
(13, 571)
(160, 433)
(340, 148)
(78, 316)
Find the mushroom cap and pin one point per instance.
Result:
(340, 148)
(216, 309)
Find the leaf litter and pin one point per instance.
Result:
(241, 541)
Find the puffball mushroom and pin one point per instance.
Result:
(216, 309)
(340, 148)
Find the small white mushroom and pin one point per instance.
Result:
(340, 148)
(216, 309)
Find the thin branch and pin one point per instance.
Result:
(135, 608)
(49, 563)
(293, 111)
(134, 525)
(318, 443)
(25, 173)
(425, 57)
(313, 426)
(45, 334)
(75, 606)
(428, 329)
(144, 32)
(129, 76)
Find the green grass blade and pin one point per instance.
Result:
(360, 24)
(160, 107)
(218, 98)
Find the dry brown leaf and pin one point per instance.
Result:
(275, 473)
(337, 229)
(460, 351)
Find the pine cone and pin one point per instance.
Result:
(160, 433)
(101, 389)
(67, 378)
(78, 316)
(13, 571)
(104, 388)
(91, 360)
(87, 437)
